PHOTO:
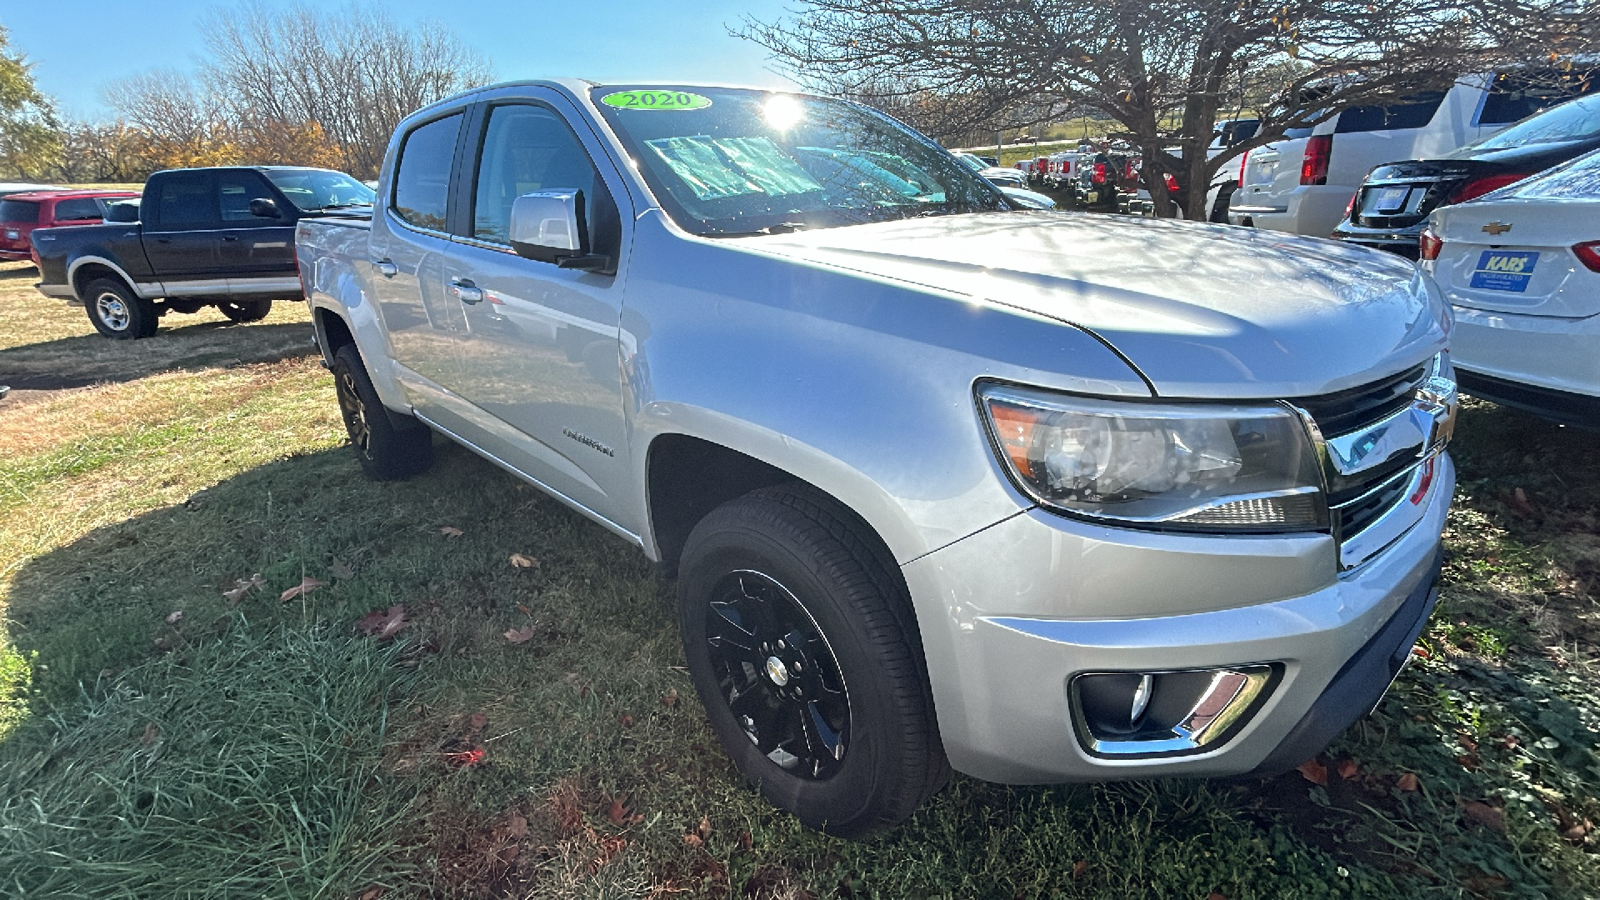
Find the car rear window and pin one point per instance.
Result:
(1414, 112)
(1518, 95)
(1575, 120)
(77, 209)
(19, 212)
(1577, 180)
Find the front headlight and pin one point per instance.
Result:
(1194, 467)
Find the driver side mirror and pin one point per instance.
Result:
(549, 226)
(264, 208)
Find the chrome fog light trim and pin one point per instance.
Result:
(1143, 715)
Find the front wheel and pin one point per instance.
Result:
(388, 450)
(802, 647)
(245, 310)
(117, 312)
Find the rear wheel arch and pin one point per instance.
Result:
(93, 271)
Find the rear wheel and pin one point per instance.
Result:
(117, 313)
(802, 647)
(388, 446)
(245, 310)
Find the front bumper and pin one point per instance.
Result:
(1012, 615)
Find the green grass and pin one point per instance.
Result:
(292, 755)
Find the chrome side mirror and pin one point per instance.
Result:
(549, 226)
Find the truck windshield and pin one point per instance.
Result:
(317, 189)
(727, 162)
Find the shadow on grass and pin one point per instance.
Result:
(91, 359)
(597, 762)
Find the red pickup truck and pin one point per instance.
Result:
(21, 214)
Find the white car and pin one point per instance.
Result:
(1521, 269)
(1303, 183)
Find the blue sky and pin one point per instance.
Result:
(79, 47)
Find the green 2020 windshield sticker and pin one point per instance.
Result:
(669, 100)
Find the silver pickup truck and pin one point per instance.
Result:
(1039, 496)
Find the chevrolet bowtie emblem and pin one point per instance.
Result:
(1497, 227)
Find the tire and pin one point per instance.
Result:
(803, 649)
(117, 313)
(1219, 207)
(245, 310)
(389, 446)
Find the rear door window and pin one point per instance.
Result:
(77, 209)
(186, 201)
(422, 177)
(1411, 112)
(19, 212)
(1517, 95)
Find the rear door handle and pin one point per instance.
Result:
(386, 267)
(230, 237)
(465, 291)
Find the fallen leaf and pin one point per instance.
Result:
(151, 732)
(1078, 868)
(341, 570)
(524, 562)
(1347, 768)
(383, 624)
(1313, 771)
(306, 586)
(670, 698)
(1485, 815)
(1520, 502)
(693, 840)
(523, 608)
(372, 893)
(705, 828)
(1407, 782)
(1578, 832)
(520, 635)
(616, 812)
(242, 587)
(746, 841)
(1215, 896)
(174, 617)
(477, 721)
(468, 757)
(627, 720)
(1419, 650)
(516, 826)
(451, 531)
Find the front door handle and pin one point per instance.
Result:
(386, 267)
(465, 291)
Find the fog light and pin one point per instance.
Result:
(1149, 714)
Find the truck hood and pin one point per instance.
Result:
(1200, 311)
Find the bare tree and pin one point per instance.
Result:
(1164, 70)
(352, 72)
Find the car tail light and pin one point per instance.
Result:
(1429, 245)
(1477, 187)
(1588, 253)
(1099, 176)
(1172, 183)
(1242, 160)
(1350, 205)
(1129, 173)
(1314, 168)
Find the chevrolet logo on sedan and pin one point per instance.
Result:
(1497, 227)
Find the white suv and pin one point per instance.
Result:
(1303, 183)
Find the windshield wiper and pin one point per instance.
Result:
(779, 228)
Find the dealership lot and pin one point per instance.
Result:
(144, 480)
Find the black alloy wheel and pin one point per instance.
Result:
(389, 446)
(778, 675)
(804, 650)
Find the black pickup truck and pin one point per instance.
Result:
(219, 237)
